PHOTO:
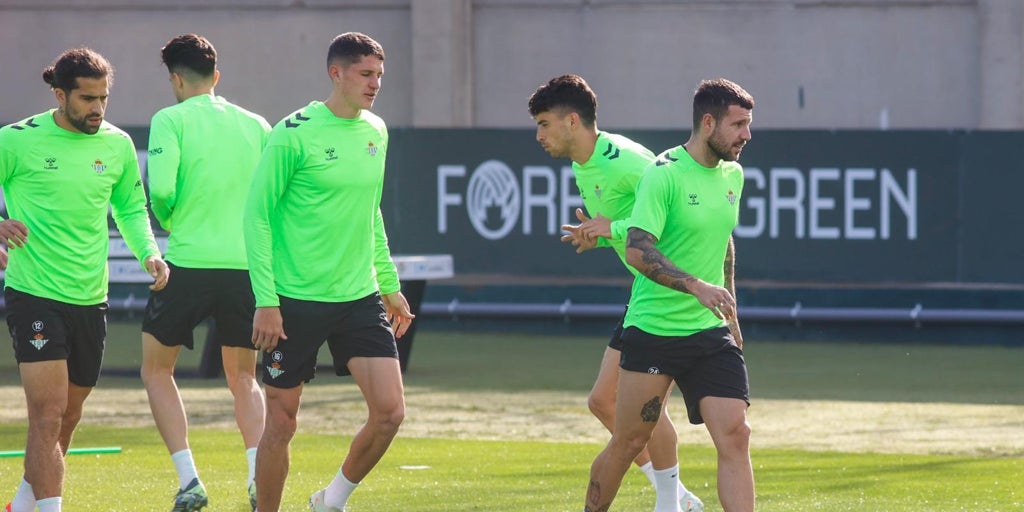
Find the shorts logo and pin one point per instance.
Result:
(38, 341)
(654, 370)
(274, 369)
(37, 326)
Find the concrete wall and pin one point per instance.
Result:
(464, 63)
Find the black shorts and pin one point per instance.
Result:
(195, 294)
(357, 328)
(50, 330)
(707, 363)
(615, 342)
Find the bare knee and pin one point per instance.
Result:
(240, 383)
(602, 405)
(386, 423)
(151, 373)
(735, 442)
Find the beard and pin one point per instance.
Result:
(721, 149)
(81, 123)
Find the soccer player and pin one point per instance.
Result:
(607, 167)
(61, 170)
(681, 324)
(321, 269)
(202, 155)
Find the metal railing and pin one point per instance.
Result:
(568, 310)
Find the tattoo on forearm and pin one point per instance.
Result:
(651, 411)
(730, 267)
(657, 267)
(594, 498)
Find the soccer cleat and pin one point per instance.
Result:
(316, 503)
(252, 495)
(689, 502)
(191, 498)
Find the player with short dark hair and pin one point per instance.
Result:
(682, 324)
(202, 155)
(61, 170)
(607, 167)
(321, 269)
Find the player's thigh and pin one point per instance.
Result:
(607, 377)
(380, 381)
(640, 399)
(46, 387)
(238, 361)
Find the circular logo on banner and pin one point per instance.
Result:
(493, 200)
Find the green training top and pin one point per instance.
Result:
(202, 155)
(607, 183)
(691, 210)
(59, 184)
(313, 227)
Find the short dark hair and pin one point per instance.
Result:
(351, 47)
(74, 64)
(190, 52)
(715, 96)
(566, 92)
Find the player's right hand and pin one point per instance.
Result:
(267, 328)
(13, 232)
(575, 235)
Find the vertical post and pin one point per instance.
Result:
(413, 291)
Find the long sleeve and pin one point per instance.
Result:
(128, 204)
(273, 173)
(164, 161)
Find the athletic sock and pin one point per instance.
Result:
(24, 500)
(682, 489)
(49, 504)
(186, 467)
(336, 494)
(250, 457)
(666, 483)
(648, 471)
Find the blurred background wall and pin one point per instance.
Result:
(832, 64)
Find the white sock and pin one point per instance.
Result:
(648, 471)
(666, 483)
(336, 494)
(49, 504)
(24, 500)
(250, 457)
(186, 467)
(682, 489)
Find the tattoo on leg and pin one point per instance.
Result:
(651, 410)
(593, 498)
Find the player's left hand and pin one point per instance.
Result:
(599, 226)
(398, 312)
(158, 268)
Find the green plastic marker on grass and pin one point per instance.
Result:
(72, 451)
